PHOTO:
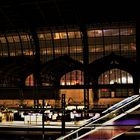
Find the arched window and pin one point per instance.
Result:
(29, 80)
(115, 76)
(72, 78)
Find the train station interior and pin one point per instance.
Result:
(68, 58)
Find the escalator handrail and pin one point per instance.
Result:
(91, 122)
(113, 119)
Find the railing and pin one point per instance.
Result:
(99, 127)
(90, 125)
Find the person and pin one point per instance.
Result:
(72, 117)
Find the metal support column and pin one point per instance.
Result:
(137, 75)
(37, 78)
(86, 62)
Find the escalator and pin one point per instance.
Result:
(111, 114)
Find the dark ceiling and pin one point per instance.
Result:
(23, 14)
